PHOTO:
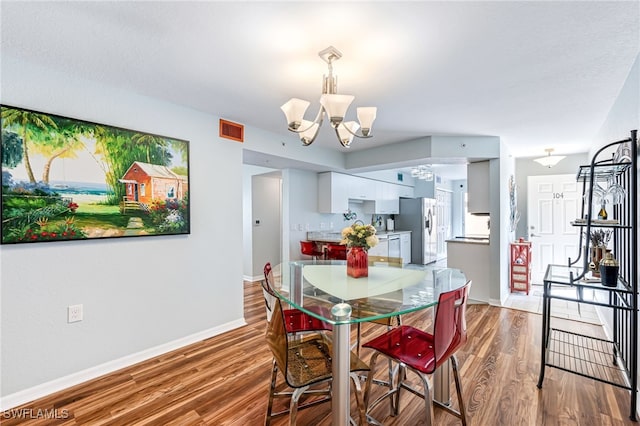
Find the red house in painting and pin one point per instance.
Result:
(145, 182)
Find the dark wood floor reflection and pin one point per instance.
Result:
(224, 381)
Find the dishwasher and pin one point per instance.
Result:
(394, 245)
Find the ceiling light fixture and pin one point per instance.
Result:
(422, 172)
(334, 105)
(550, 160)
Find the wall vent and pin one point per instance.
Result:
(231, 130)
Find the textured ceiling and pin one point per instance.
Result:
(537, 74)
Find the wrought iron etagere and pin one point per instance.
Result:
(613, 361)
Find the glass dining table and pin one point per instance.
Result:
(388, 291)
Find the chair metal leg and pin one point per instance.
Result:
(367, 386)
(272, 390)
(293, 407)
(428, 399)
(454, 367)
(358, 393)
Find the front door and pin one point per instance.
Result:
(553, 202)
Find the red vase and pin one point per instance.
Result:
(357, 262)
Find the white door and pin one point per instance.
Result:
(443, 231)
(553, 202)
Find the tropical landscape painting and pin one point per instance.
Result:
(68, 179)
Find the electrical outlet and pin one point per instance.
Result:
(74, 313)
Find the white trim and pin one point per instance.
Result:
(253, 279)
(47, 388)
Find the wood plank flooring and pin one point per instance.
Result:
(224, 381)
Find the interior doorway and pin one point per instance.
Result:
(266, 221)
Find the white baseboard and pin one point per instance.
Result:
(47, 388)
(253, 279)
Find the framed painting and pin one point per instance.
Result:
(69, 179)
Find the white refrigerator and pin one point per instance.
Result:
(418, 215)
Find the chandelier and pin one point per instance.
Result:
(550, 160)
(333, 105)
(422, 172)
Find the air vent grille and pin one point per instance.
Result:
(231, 130)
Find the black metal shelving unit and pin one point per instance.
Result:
(612, 361)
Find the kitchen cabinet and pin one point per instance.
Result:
(405, 247)
(386, 200)
(405, 191)
(380, 249)
(361, 188)
(336, 189)
(478, 187)
(474, 258)
(333, 196)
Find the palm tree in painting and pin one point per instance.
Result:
(61, 144)
(151, 141)
(31, 125)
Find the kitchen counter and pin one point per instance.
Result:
(469, 240)
(473, 257)
(336, 236)
(386, 234)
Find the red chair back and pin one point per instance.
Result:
(336, 252)
(309, 248)
(450, 324)
(268, 276)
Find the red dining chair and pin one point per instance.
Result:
(305, 363)
(310, 248)
(423, 352)
(336, 252)
(296, 321)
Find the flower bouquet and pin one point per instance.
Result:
(358, 238)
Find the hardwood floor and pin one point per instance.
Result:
(224, 381)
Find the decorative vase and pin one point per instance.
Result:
(357, 262)
(609, 270)
(597, 254)
(602, 214)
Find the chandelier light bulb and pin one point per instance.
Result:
(333, 105)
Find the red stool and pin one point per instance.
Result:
(336, 252)
(423, 352)
(310, 249)
(296, 321)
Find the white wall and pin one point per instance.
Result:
(499, 173)
(623, 117)
(302, 211)
(140, 295)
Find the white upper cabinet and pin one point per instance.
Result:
(478, 187)
(405, 191)
(333, 196)
(336, 189)
(361, 188)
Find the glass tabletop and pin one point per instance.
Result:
(387, 291)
